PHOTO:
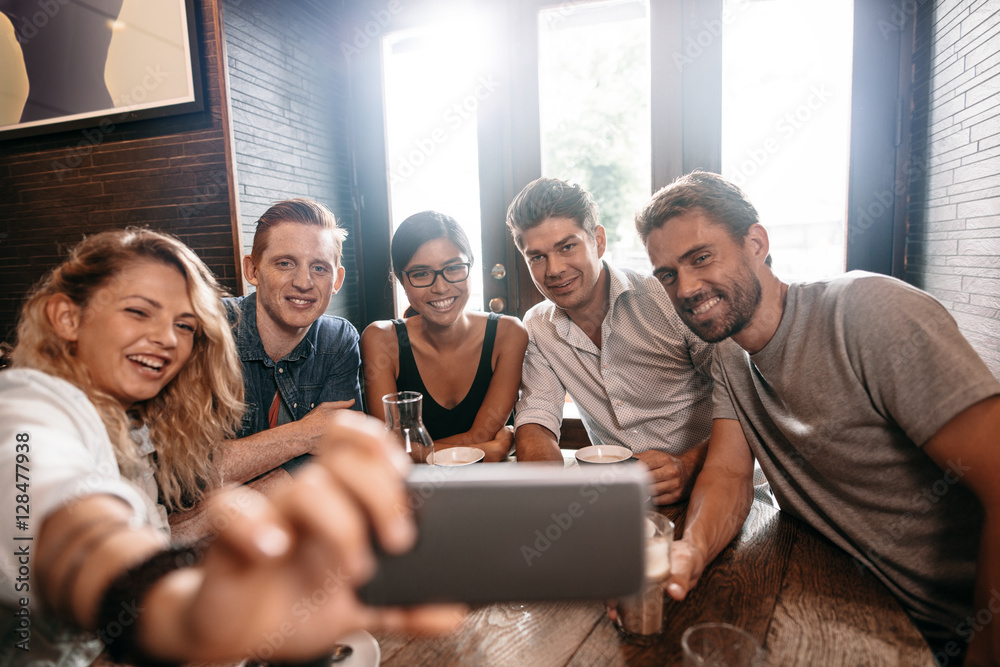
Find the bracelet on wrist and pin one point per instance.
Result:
(120, 612)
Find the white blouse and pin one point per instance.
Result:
(53, 449)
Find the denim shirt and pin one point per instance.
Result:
(322, 367)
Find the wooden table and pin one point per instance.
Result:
(799, 595)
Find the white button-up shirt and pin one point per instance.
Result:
(648, 386)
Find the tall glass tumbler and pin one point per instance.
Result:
(403, 418)
(640, 617)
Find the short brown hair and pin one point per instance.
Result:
(302, 211)
(716, 197)
(546, 198)
(703, 191)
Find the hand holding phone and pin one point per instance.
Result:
(518, 532)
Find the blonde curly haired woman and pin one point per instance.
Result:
(125, 375)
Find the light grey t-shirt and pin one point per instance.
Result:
(862, 371)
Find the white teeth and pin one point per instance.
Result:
(443, 303)
(148, 362)
(299, 302)
(703, 308)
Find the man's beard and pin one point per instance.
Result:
(741, 300)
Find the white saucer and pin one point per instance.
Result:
(366, 651)
(458, 456)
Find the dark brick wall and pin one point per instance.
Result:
(289, 106)
(167, 173)
(953, 241)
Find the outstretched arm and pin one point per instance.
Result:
(271, 555)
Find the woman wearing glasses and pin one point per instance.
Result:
(466, 364)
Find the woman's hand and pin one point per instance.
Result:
(280, 579)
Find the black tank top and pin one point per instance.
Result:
(441, 422)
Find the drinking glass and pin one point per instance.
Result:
(402, 418)
(641, 615)
(720, 645)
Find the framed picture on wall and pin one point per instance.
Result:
(70, 65)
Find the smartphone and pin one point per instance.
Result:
(507, 532)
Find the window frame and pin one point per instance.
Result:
(686, 134)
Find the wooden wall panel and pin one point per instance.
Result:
(167, 173)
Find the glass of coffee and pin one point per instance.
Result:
(641, 615)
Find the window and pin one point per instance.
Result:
(758, 90)
(594, 101)
(433, 88)
(786, 109)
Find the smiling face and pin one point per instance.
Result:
(135, 334)
(709, 277)
(442, 302)
(297, 274)
(565, 262)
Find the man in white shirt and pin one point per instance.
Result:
(610, 338)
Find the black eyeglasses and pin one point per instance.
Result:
(453, 273)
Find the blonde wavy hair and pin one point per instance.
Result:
(196, 410)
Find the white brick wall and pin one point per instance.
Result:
(953, 241)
